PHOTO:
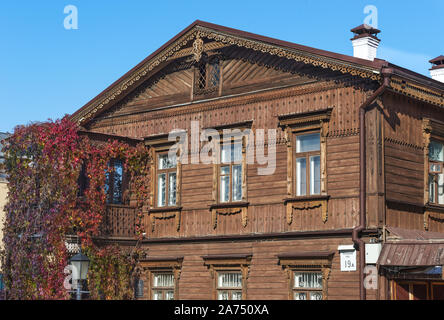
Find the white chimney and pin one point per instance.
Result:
(437, 71)
(365, 43)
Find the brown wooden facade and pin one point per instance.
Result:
(271, 233)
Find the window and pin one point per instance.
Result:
(436, 173)
(308, 273)
(138, 289)
(308, 164)
(230, 274)
(307, 285)
(82, 181)
(114, 182)
(162, 286)
(229, 286)
(161, 276)
(166, 180)
(230, 173)
(207, 76)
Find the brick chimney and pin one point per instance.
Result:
(437, 70)
(365, 43)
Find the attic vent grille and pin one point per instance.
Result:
(207, 77)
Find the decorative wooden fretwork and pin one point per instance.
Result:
(417, 91)
(229, 262)
(298, 122)
(199, 32)
(158, 144)
(153, 264)
(198, 47)
(165, 214)
(430, 128)
(307, 203)
(307, 261)
(229, 210)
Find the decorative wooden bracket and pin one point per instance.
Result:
(165, 214)
(305, 204)
(228, 210)
(198, 48)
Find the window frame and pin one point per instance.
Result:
(236, 263)
(242, 164)
(229, 289)
(110, 192)
(167, 172)
(161, 144)
(431, 130)
(306, 155)
(307, 291)
(153, 265)
(164, 290)
(307, 262)
(205, 63)
(435, 175)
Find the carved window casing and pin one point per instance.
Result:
(230, 173)
(433, 135)
(306, 139)
(229, 275)
(307, 274)
(161, 277)
(166, 181)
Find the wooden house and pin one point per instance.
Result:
(359, 156)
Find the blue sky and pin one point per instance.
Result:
(47, 71)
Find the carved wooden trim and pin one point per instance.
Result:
(426, 220)
(152, 265)
(228, 212)
(426, 132)
(217, 264)
(420, 92)
(306, 262)
(305, 203)
(288, 138)
(226, 102)
(165, 215)
(298, 122)
(226, 39)
(410, 88)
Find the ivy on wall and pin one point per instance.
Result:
(43, 162)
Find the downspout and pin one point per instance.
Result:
(357, 241)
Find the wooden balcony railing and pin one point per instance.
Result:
(119, 221)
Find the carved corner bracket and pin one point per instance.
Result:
(307, 203)
(165, 214)
(228, 210)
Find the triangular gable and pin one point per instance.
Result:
(189, 42)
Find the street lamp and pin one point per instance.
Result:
(80, 264)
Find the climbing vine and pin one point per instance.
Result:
(43, 162)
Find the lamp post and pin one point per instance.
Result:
(80, 264)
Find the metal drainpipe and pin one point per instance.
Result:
(357, 241)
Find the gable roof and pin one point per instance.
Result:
(429, 90)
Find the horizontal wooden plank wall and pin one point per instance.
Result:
(266, 212)
(267, 280)
(404, 162)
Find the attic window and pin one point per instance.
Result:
(207, 76)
